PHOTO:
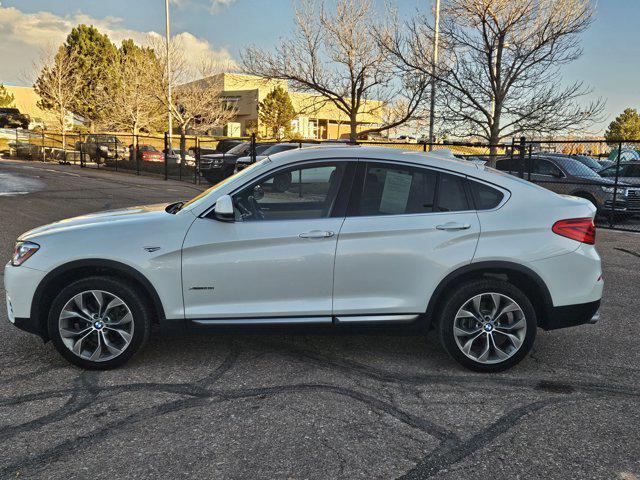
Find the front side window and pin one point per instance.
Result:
(291, 194)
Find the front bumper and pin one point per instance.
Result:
(571, 316)
(20, 285)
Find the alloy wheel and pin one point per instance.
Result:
(96, 325)
(490, 328)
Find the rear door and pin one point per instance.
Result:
(407, 227)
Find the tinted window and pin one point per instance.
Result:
(545, 167)
(485, 197)
(451, 194)
(510, 165)
(395, 190)
(633, 171)
(291, 194)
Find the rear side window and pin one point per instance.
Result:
(401, 190)
(397, 190)
(451, 194)
(484, 196)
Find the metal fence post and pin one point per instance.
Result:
(529, 162)
(615, 186)
(183, 147)
(136, 143)
(115, 150)
(521, 155)
(44, 158)
(166, 156)
(253, 147)
(196, 167)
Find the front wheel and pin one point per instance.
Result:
(98, 323)
(487, 325)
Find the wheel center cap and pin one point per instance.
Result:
(488, 327)
(98, 325)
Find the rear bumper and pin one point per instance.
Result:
(571, 316)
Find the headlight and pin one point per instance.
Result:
(22, 251)
(621, 191)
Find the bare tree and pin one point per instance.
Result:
(500, 75)
(132, 105)
(57, 86)
(333, 52)
(197, 103)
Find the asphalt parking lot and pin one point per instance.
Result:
(311, 406)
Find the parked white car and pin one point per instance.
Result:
(379, 236)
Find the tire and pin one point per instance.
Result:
(122, 326)
(508, 336)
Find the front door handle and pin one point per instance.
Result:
(317, 234)
(453, 226)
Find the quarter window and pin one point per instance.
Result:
(291, 194)
(485, 197)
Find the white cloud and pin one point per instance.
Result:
(25, 34)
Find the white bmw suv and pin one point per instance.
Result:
(357, 236)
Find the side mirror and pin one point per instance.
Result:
(223, 210)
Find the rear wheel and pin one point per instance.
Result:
(487, 325)
(98, 323)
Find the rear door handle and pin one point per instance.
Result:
(317, 234)
(453, 226)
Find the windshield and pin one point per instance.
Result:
(577, 169)
(278, 148)
(239, 149)
(224, 182)
(589, 162)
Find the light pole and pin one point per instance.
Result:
(434, 66)
(168, 35)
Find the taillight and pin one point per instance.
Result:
(580, 229)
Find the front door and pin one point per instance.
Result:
(406, 229)
(276, 260)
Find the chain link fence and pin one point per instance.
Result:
(605, 173)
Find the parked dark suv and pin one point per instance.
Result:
(218, 166)
(102, 148)
(569, 176)
(12, 118)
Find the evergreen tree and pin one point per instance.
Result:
(276, 113)
(626, 126)
(96, 57)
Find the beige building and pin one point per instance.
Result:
(317, 117)
(26, 100)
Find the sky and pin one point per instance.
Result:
(223, 28)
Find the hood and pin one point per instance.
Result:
(131, 214)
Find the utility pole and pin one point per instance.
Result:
(168, 35)
(434, 67)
